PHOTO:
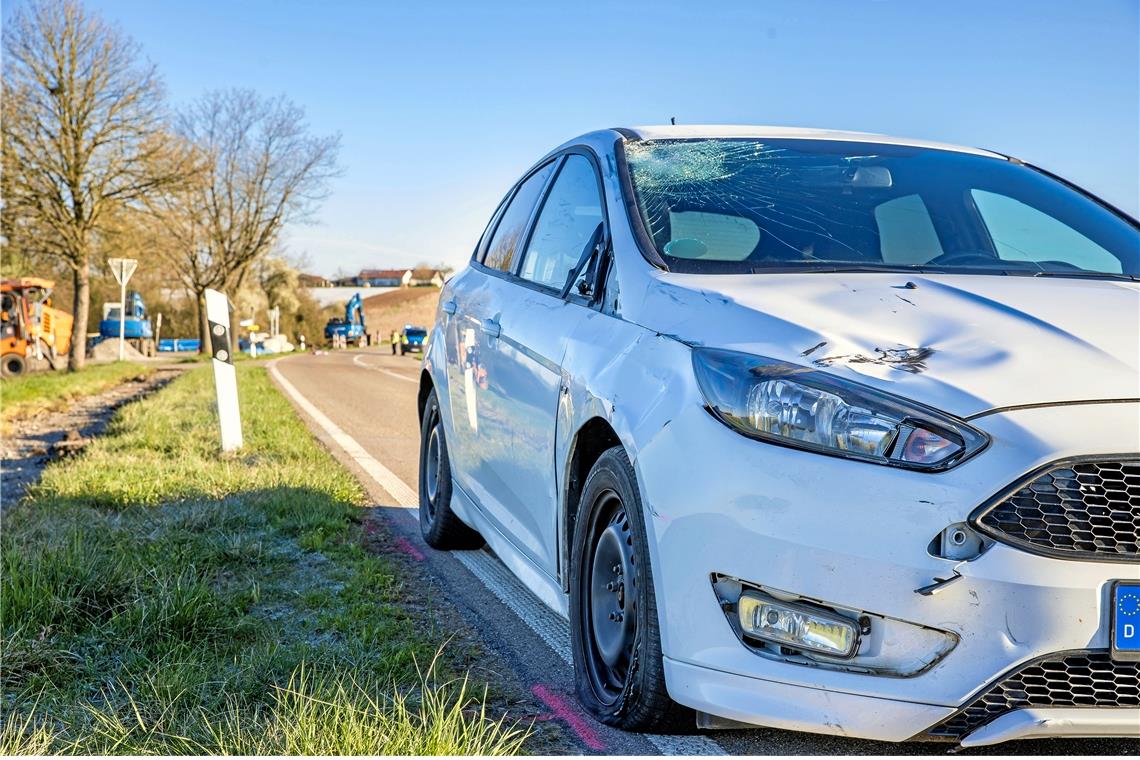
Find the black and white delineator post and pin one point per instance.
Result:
(122, 269)
(225, 378)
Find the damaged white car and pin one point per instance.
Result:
(815, 430)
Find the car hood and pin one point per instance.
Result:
(961, 343)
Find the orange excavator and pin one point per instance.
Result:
(32, 333)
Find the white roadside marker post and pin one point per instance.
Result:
(225, 377)
(122, 269)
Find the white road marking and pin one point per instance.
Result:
(555, 631)
(550, 626)
(388, 480)
(357, 361)
(545, 622)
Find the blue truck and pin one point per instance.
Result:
(137, 329)
(351, 326)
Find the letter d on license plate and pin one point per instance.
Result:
(1125, 618)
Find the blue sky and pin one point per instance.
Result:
(442, 105)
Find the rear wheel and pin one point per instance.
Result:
(12, 365)
(440, 527)
(618, 667)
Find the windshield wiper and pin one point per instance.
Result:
(1087, 275)
(840, 269)
(920, 269)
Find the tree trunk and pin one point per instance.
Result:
(203, 324)
(81, 304)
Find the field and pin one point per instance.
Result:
(157, 597)
(392, 310)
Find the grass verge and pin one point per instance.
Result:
(157, 597)
(36, 392)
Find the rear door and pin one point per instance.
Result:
(519, 404)
(474, 302)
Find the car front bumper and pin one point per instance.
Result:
(856, 536)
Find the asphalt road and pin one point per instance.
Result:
(362, 404)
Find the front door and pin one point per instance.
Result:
(518, 408)
(474, 302)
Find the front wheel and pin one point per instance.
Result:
(13, 365)
(618, 669)
(440, 527)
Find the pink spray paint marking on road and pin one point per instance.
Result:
(406, 547)
(564, 712)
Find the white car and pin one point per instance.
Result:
(816, 430)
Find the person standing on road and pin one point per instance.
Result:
(395, 341)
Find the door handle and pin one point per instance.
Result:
(449, 306)
(492, 328)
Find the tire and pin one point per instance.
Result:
(12, 365)
(440, 527)
(619, 673)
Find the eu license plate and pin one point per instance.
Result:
(1126, 621)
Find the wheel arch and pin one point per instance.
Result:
(426, 387)
(592, 439)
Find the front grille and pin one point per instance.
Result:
(1085, 509)
(1073, 679)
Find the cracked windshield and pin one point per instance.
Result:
(745, 206)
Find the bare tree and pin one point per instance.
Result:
(262, 170)
(82, 129)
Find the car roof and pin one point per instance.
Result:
(693, 131)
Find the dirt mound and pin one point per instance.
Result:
(390, 311)
(108, 351)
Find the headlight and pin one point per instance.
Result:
(809, 409)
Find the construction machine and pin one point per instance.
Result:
(350, 329)
(137, 329)
(33, 334)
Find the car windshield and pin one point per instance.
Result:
(752, 205)
(417, 333)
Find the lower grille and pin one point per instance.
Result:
(1078, 509)
(1069, 679)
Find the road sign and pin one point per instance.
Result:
(225, 378)
(122, 269)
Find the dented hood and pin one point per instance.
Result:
(961, 343)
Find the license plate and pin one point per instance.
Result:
(1125, 618)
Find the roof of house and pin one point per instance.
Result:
(382, 274)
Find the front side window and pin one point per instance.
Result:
(512, 224)
(754, 205)
(571, 213)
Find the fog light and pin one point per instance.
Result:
(796, 626)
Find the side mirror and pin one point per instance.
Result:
(582, 277)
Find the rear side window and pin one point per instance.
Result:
(485, 238)
(571, 213)
(512, 226)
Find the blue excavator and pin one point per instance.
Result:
(351, 326)
(137, 329)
